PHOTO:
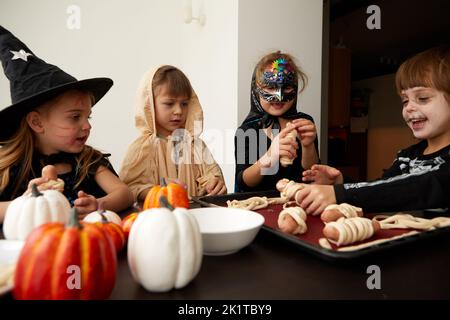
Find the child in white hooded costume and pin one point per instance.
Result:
(170, 120)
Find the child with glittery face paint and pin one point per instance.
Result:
(419, 178)
(265, 136)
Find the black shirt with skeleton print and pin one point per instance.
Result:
(414, 181)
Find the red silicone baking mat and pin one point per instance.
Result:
(310, 239)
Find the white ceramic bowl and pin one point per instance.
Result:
(226, 230)
(9, 253)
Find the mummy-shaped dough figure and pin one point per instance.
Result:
(292, 135)
(351, 230)
(334, 212)
(54, 182)
(288, 188)
(292, 220)
(407, 221)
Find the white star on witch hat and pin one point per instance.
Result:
(21, 54)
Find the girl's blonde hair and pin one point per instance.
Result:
(269, 58)
(177, 84)
(19, 149)
(430, 68)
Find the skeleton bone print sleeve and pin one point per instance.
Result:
(414, 181)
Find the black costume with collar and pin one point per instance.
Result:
(88, 185)
(291, 172)
(257, 120)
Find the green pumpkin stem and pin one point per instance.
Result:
(73, 219)
(164, 203)
(163, 182)
(35, 191)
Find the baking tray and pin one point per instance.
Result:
(309, 240)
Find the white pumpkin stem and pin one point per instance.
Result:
(35, 191)
(101, 211)
(73, 219)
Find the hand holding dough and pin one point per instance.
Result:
(288, 188)
(292, 135)
(53, 182)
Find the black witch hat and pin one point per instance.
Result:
(34, 82)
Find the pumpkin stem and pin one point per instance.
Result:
(165, 203)
(73, 219)
(163, 182)
(35, 191)
(101, 211)
(136, 206)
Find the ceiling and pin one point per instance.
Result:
(407, 27)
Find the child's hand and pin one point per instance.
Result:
(323, 174)
(215, 186)
(306, 131)
(280, 146)
(85, 204)
(315, 198)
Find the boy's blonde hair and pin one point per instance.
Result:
(19, 149)
(177, 84)
(269, 58)
(430, 68)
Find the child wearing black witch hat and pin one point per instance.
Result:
(274, 141)
(48, 124)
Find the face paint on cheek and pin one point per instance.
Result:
(68, 132)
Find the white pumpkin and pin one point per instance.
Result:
(164, 249)
(96, 216)
(30, 211)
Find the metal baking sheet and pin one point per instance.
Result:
(309, 240)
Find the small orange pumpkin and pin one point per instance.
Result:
(128, 221)
(113, 230)
(52, 251)
(175, 193)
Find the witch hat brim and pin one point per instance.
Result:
(34, 82)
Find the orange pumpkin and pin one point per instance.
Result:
(66, 262)
(175, 193)
(127, 223)
(114, 231)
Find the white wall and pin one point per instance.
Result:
(209, 57)
(122, 39)
(117, 39)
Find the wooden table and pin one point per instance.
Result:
(273, 268)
